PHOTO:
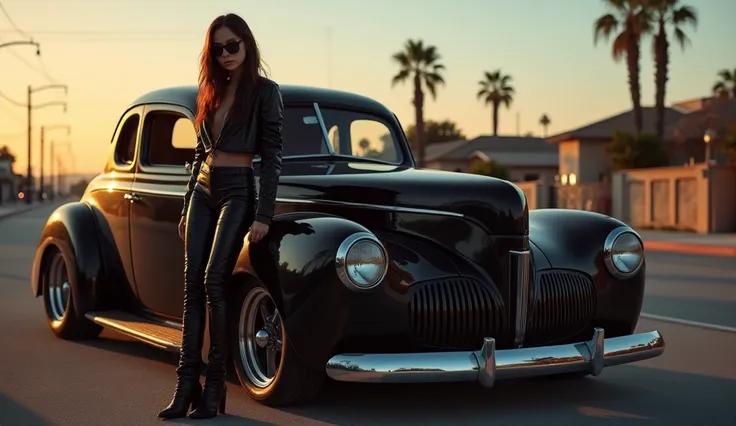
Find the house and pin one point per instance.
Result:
(582, 150)
(10, 182)
(716, 116)
(527, 158)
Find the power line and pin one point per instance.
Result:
(12, 23)
(121, 40)
(43, 70)
(104, 32)
(12, 101)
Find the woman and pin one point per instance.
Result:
(239, 114)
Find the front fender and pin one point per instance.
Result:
(574, 239)
(72, 229)
(571, 239)
(296, 263)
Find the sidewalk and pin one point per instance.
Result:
(687, 242)
(8, 209)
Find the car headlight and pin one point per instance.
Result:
(361, 261)
(623, 252)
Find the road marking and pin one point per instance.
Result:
(688, 322)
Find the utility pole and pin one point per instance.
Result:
(44, 129)
(40, 171)
(329, 57)
(29, 175)
(55, 175)
(51, 175)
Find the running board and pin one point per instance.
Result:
(161, 335)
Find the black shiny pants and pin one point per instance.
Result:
(221, 210)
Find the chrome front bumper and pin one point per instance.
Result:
(488, 364)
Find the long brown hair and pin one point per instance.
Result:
(213, 78)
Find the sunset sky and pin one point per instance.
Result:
(111, 51)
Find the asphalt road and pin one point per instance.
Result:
(115, 381)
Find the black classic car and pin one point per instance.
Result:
(372, 271)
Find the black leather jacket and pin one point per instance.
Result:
(259, 134)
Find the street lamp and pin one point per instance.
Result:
(708, 137)
(23, 42)
(31, 107)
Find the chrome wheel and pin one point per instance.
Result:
(260, 337)
(58, 288)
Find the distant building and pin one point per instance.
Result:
(582, 150)
(10, 182)
(526, 158)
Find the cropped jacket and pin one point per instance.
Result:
(259, 134)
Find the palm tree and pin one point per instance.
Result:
(727, 83)
(632, 17)
(495, 90)
(544, 121)
(667, 12)
(421, 63)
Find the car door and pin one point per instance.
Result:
(168, 140)
(110, 200)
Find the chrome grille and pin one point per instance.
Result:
(564, 304)
(454, 313)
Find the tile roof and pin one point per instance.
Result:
(604, 129)
(508, 150)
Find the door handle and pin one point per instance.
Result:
(132, 197)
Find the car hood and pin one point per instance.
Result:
(498, 205)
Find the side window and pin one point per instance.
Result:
(125, 144)
(371, 138)
(334, 135)
(302, 134)
(361, 134)
(170, 139)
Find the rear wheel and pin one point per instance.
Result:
(58, 285)
(266, 365)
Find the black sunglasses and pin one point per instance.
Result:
(232, 48)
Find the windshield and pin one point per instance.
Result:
(350, 133)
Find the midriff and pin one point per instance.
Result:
(229, 159)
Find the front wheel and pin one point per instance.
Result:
(58, 284)
(266, 366)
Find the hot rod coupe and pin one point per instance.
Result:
(372, 271)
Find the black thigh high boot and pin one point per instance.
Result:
(199, 233)
(228, 241)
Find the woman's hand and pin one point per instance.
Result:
(182, 227)
(257, 231)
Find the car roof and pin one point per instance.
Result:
(186, 96)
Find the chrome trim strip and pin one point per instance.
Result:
(520, 280)
(321, 120)
(152, 189)
(608, 246)
(488, 364)
(397, 209)
(164, 189)
(132, 332)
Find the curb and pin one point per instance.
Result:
(22, 210)
(689, 248)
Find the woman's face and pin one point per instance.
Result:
(228, 49)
